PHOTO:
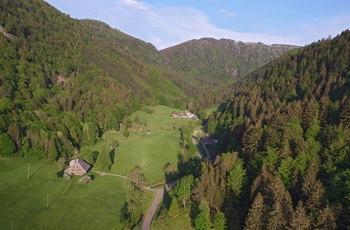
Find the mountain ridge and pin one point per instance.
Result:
(64, 82)
(230, 58)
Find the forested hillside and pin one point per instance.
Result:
(221, 60)
(64, 82)
(286, 138)
(283, 130)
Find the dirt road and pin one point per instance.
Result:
(200, 154)
(152, 210)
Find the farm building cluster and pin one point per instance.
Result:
(185, 114)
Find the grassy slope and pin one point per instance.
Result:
(149, 151)
(93, 206)
(183, 220)
(97, 204)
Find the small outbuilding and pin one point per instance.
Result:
(77, 167)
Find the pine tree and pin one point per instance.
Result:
(236, 178)
(312, 188)
(282, 205)
(211, 187)
(276, 218)
(174, 207)
(14, 131)
(220, 221)
(202, 221)
(299, 219)
(183, 189)
(255, 217)
(345, 111)
(326, 219)
(251, 140)
(261, 184)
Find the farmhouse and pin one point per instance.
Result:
(176, 115)
(77, 167)
(186, 114)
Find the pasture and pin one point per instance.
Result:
(44, 201)
(153, 142)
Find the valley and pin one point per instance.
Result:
(46, 198)
(256, 136)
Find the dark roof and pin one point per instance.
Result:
(83, 164)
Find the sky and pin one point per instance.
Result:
(166, 23)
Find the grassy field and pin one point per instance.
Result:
(151, 147)
(45, 201)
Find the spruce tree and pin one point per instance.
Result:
(220, 221)
(174, 207)
(202, 221)
(299, 219)
(326, 219)
(236, 179)
(312, 188)
(282, 205)
(255, 217)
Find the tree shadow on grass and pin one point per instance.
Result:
(60, 174)
(166, 199)
(35, 172)
(188, 166)
(112, 155)
(165, 205)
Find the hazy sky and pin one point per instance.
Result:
(166, 23)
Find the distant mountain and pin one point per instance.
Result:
(223, 59)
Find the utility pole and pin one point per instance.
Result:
(47, 200)
(28, 170)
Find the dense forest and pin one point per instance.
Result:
(283, 129)
(284, 139)
(64, 82)
(221, 60)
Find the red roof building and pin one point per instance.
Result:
(77, 167)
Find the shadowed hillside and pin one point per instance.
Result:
(287, 128)
(223, 59)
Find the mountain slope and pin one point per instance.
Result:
(220, 59)
(63, 82)
(290, 123)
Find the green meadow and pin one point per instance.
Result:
(44, 201)
(153, 142)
